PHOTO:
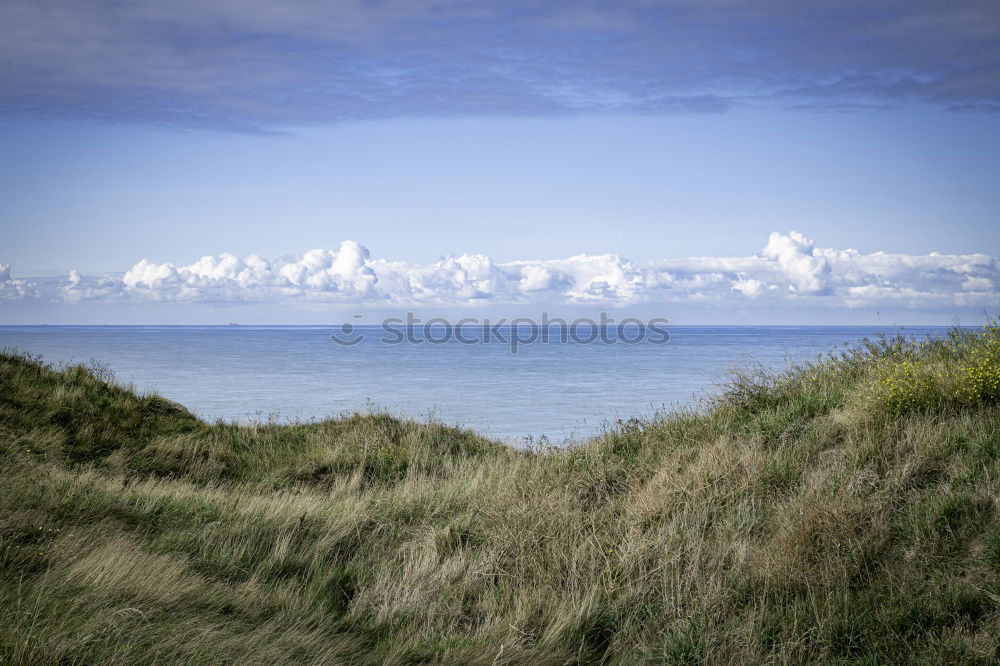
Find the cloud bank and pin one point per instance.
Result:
(12, 290)
(789, 271)
(256, 65)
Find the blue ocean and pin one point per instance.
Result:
(557, 389)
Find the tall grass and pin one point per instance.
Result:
(846, 511)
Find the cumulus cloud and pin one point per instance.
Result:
(256, 65)
(789, 270)
(806, 271)
(12, 289)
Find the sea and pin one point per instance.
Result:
(555, 389)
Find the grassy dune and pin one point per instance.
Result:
(846, 511)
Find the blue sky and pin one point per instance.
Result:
(503, 157)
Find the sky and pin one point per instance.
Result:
(302, 162)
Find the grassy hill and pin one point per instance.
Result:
(846, 511)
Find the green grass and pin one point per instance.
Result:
(846, 511)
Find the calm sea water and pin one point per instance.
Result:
(559, 391)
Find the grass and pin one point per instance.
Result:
(846, 511)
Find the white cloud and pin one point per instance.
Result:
(790, 270)
(749, 287)
(13, 289)
(805, 271)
